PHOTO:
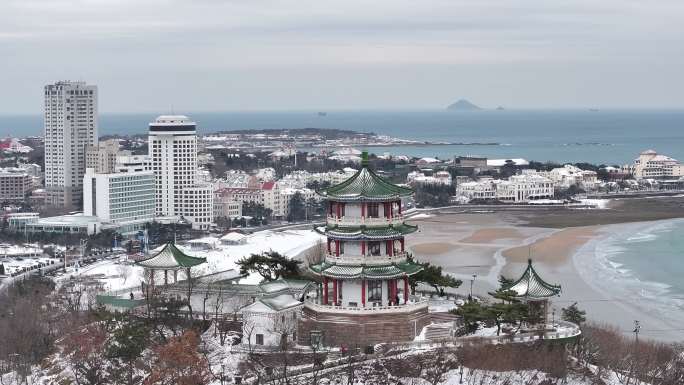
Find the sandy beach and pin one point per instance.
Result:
(490, 244)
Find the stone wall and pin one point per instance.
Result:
(357, 330)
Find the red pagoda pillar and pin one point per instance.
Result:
(325, 290)
(363, 292)
(335, 292)
(406, 288)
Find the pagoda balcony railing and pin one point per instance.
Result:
(351, 221)
(368, 259)
(369, 309)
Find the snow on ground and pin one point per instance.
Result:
(599, 203)
(546, 202)
(221, 358)
(529, 377)
(421, 216)
(441, 305)
(290, 243)
(117, 275)
(486, 332)
(113, 274)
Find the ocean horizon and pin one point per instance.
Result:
(611, 137)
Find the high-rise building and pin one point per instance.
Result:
(122, 199)
(173, 158)
(102, 157)
(70, 123)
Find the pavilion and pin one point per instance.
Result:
(170, 258)
(532, 290)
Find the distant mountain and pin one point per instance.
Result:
(500, 108)
(463, 105)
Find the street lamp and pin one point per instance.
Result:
(471, 286)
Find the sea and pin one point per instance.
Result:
(611, 137)
(641, 265)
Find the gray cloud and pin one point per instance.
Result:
(306, 54)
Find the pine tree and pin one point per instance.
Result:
(574, 314)
(270, 265)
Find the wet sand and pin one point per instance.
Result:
(555, 250)
(490, 244)
(493, 234)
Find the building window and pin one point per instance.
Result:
(259, 339)
(373, 210)
(374, 248)
(374, 291)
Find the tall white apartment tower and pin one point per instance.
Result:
(70, 122)
(173, 159)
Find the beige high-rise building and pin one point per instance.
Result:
(70, 123)
(102, 157)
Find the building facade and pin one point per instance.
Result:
(272, 199)
(224, 207)
(102, 157)
(364, 297)
(173, 159)
(15, 185)
(70, 123)
(518, 188)
(133, 163)
(651, 165)
(123, 199)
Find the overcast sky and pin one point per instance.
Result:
(213, 55)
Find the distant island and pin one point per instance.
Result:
(500, 108)
(463, 105)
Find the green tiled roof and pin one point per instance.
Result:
(360, 233)
(366, 272)
(170, 257)
(365, 185)
(532, 286)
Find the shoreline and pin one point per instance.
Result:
(659, 309)
(489, 245)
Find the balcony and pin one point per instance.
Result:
(406, 308)
(366, 260)
(349, 221)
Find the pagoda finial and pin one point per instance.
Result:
(364, 159)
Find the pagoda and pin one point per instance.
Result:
(532, 290)
(363, 296)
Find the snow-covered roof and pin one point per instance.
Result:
(233, 236)
(272, 304)
(501, 162)
(347, 151)
(284, 284)
(429, 160)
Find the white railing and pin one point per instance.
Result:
(369, 309)
(367, 260)
(350, 221)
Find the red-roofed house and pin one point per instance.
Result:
(272, 200)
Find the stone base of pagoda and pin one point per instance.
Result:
(361, 327)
